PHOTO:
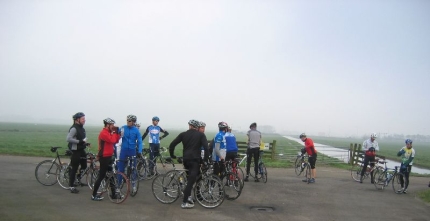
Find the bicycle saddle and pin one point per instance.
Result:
(54, 149)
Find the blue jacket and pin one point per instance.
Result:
(231, 144)
(131, 138)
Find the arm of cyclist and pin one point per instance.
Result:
(205, 146)
(173, 144)
(78, 144)
(139, 142)
(217, 150)
(145, 134)
(165, 133)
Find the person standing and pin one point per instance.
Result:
(312, 157)
(107, 139)
(219, 149)
(370, 146)
(231, 145)
(130, 137)
(77, 142)
(154, 140)
(192, 141)
(202, 128)
(254, 139)
(408, 154)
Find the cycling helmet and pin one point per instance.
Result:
(302, 135)
(408, 141)
(137, 124)
(78, 115)
(229, 127)
(373, 135)
(108, 121)
(155, 118)
(253, 125)
(222, 125)
(194, 123)
(132, 117)
(202, 124)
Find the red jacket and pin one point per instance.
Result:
(107, 140)
(309, 146)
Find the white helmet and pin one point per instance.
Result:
(137, 124)
(373, 135)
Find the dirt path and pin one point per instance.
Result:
(335, 196)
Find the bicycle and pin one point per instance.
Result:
(46, 172)
(262, 171)
(144, 164)
(357, 168)
(64, 174)
(208, 190)
(300, 164)
(383, 179)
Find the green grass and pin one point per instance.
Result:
(425, 195)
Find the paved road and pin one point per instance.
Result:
(335, 196)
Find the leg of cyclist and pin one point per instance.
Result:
(192, 166)
(312, 161)
(105, 163)
(154, 152)
(366, 161)
(83, 164)
(74, 162)
(406, 173)
(256, 153)
(248, 163)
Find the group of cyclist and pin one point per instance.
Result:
(407, 154)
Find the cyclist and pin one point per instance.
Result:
(231, 145)
(107, 139)
(192, 141)
(408, 154)
(312, 154)
(130, 138)
(77, 140)
(254, 140)
(370, 146)
(219, 148)
(154, 140)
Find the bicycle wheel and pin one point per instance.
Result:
(46, 172)
(118, 191)
(232, 186)
(63, 175)
(308, 172)
(263, 172)
(251, 169)
(142, 169)
(380, 178)
(298, 166)
(165, 189)
(240, 174)
(92, 177)
(134, 182)
(356, 172)
(398, 182)
(209, 191)
(179, 176)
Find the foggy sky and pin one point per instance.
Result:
(337, 67)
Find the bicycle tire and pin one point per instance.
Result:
(180, 177)
(379, 178)
(134, 182)
(92, 177)
(240, 174)
(209, 191)
(251, 170)
(263, 172)
(356, 172)
(46, 172)
(122, 190)
(397, 184)
(298, 166)
(63, 176)
(165, 189)
(232, 186)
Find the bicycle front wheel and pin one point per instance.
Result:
(398, 183)
(209, 191)
(46, 172)
(134, 182)
(118, 190)
(379, 177)
(263, 172)
(232, 186)
(165, 189)
(92, 177)
(356, 172)
(64, 175)
(298, 166)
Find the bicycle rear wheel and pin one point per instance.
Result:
(398, 182)
(118, 191)
(251, 169)
(298, 166)
(92, 176)
(46, 172)
(165, 189)
(263, 172)
(232, 186)
(209, 191)
(134, 182)
(380, 178)
(356, 172)
(64, 175)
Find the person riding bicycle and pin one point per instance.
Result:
(408, 154)
(77, 142)
(154, 140)
(370, 146)
(130, 137)
(219, 149)
(231, 145)
(312, 156)
(192, 141)
(254, 140)
(108, 136)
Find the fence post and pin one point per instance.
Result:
(351, 151)
(273, 149)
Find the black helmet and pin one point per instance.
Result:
(302, 135)
(78, 115)
(253, 125)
